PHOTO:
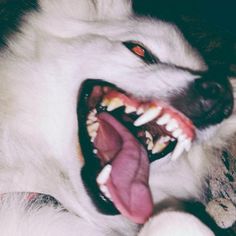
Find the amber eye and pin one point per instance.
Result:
(141, 52)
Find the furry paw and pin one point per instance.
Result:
(223, 212)
(175, 224)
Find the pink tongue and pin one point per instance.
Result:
(128, 182)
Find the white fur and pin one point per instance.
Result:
(60, 46)
(175, 223)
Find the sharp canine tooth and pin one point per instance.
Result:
(104, 175)
(114, 104)
(160, 144)
(177, 133)
(150, 146)
(105, 191)
(182, 145)
(172, 125)
(149, 115)
(177, 151)
(129, 109)
(164, 119)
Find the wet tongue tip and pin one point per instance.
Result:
(128, 185)
(139, 207)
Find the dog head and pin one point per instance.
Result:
(150, 99)
(131, 91)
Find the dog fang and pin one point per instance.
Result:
(180, 147)
(148, 116)
(104, 175)
(104, 189)
(161, 144)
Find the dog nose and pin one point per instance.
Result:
(211, 92)
(210, 89)
(214, 94)
(207, 100)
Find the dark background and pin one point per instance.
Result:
(209, 25)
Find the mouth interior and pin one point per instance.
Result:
(123, 135)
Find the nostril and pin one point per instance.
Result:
(227, 111)
(209, 89)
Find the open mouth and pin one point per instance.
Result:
(120, 135)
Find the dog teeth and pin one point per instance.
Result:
(129, 109)
(148, 116)
(180, 147)
(177, 151)
(172, 125)
(95, 151)
(105, 102)
(104, 189)
(149, 140)
(92, 130)
(140, 111)
(89, 122)
(164, 119)
(182, 137)
(177, 133)
(93, 136)
(114, 104)
(102, 180)
(93, 127)
(91, 117)
(162, 116)
(150, 146)
(104, 175)
(161, 144)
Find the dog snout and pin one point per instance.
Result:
(207, 100)
(214, 94)
(210, 90)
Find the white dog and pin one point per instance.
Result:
(104, 116)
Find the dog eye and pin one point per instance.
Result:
(140, 51)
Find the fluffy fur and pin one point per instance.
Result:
(41, 71)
